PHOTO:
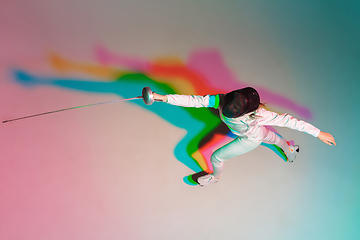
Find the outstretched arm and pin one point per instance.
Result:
(160, 98)
(327, 138)
(208, 101)
(285, 120)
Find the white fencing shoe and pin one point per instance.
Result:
(207, 179)
(291, 154)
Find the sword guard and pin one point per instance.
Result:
(147, 95)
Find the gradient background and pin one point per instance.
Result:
(109, 172)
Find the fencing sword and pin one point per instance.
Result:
(147, 96)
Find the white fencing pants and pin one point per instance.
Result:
(243, 145)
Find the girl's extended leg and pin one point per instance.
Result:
(236, 147)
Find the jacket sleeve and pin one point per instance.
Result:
(286, 120)
(208, 101)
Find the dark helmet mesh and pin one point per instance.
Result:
(240, 102)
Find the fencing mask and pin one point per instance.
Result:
(240, 102)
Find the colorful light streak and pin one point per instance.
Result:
(204, 73)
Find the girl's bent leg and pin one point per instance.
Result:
(272, 138)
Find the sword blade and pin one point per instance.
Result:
(66, 109)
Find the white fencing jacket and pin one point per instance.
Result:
(244, 126)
